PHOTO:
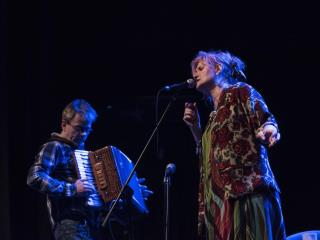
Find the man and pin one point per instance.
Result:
(54, 174)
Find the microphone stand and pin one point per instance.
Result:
(137, 163)
(167, 184)
(156, 116)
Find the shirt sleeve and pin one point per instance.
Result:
(255, 108)
(39, 176)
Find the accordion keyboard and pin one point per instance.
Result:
(85, 172)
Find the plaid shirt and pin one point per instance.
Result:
(54, 174)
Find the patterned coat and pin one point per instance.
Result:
(234, 162)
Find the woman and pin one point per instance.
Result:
(238, 194)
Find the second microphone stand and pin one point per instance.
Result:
(170, 169)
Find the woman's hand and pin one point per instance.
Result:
(268, 134)
(192, 118)
(191, 115)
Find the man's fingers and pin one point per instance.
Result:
(141, 180)
(88, 186)
(147, 193)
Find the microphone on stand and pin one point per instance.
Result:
(170, 169)
(190, 83)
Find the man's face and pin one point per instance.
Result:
(76, 130)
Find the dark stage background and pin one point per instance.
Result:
(117, 55)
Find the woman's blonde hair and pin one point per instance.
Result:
(232, 67)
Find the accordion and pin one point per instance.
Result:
(107, 169)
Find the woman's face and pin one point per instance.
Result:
(204, 75)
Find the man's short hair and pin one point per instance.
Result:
(81, 107)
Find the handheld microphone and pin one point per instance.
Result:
(190, 83)
(170, 169)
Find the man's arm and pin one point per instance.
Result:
(39, 176)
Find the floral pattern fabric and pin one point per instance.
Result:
(233, 162)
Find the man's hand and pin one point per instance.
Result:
(146, 193)
(83, 187)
